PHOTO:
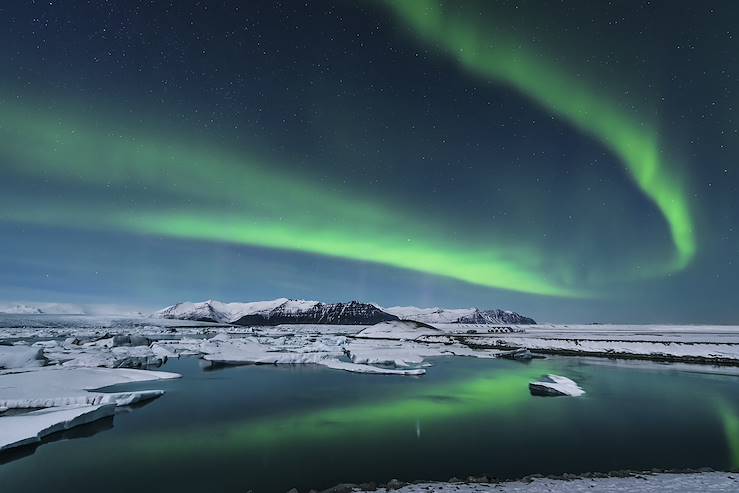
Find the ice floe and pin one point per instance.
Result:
(555, 385)
(58, 398)
(16, 431)
(21, 356)
(401, 329)
(383, 348)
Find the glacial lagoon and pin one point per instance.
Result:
(268, 428)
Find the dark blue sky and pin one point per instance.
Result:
(146, 145)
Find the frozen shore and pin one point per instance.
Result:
(671, 343)
(706, 482)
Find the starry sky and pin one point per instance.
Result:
(575, 161)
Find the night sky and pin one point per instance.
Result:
(573, 161)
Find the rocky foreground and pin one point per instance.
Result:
(704, 482)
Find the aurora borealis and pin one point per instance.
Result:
(356, 230)
(570, 162)
(490, 55)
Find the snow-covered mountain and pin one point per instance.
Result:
(434, 315)
(495, 316)
(458, 315)
(216, 311)
(279, 311)
(41, 309)
(285, 311)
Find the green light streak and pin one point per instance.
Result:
(730, 420)
(171, 188)
(499, 392)
(507, 60)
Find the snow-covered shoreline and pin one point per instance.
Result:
(683, 482)
(680, 343)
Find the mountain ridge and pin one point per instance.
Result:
(285, 311)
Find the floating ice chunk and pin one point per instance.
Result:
(282, 351)
(402, 354)
(163, 352)
(357, 368)
(555, 385)
(398, 329)
(87, 399)
(48, 386)
(19, 430)
(64, 395)
(21, 357)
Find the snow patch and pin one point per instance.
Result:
(40, 309)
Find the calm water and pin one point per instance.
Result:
(272, 428)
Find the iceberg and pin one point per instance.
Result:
(21, 357)
(555, 385)
(66, 398)
(16, 431)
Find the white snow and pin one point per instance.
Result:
(357, 368)
(19, 430)
(65, 397)
(282, 351)
(558, 385)
(57, 386)
(40, 308)
(20, 356)
(379, 349)
(403, 354)
(706, 482)
(709, 343)
(438, 315)
(231, 312)
(404, 330)
(433, 315)
(100, 353)
(87, 342)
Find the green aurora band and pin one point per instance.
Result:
(177, 189)
(502, 392)
(169, 187)
(730, 421)
(507, 60)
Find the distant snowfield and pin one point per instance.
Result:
(40, 308)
